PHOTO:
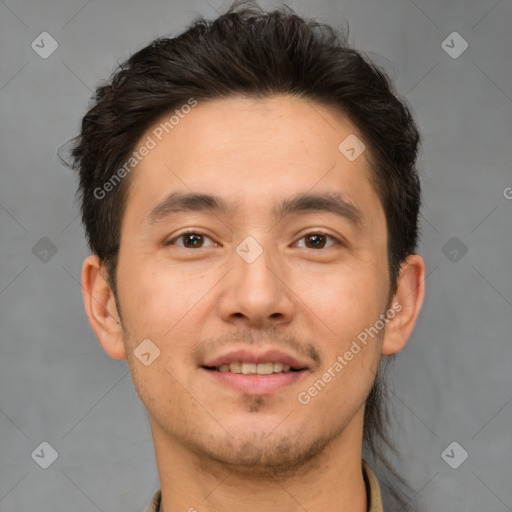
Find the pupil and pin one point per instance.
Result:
(316, 237)
(190, 237)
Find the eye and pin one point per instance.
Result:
(191, 240)
(195, 240)
(317, 240)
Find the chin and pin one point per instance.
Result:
(258, 455)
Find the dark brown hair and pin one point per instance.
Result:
(251, 52)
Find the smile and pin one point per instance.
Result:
(254, 368)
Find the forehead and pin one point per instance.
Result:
(250, 151)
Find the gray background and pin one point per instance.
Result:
(452, 383)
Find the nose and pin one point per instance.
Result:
(257, 292)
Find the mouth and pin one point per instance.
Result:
(255, 373)
(245, 368)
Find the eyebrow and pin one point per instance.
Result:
(329, 202)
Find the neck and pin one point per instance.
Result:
(331, 481)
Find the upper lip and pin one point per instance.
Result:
(246, 355)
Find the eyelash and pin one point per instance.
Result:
(336, 240)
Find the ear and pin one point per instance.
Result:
(406, 304)
(101, 309)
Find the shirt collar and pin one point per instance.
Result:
(374, 498)
(372, 492)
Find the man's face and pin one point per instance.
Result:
(304, 284)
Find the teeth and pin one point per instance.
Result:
(253, 368)
(265, 368)
(235, 367)
(248, 368)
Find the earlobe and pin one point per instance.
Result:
(101, 309)
(409, 299)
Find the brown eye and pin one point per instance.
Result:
(191, 240)
(318, 240)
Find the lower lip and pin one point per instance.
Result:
(256, 384)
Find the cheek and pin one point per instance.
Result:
(158, 305)
(345, 301)
(155, 298)
(164, 304)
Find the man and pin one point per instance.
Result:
(250, 197)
